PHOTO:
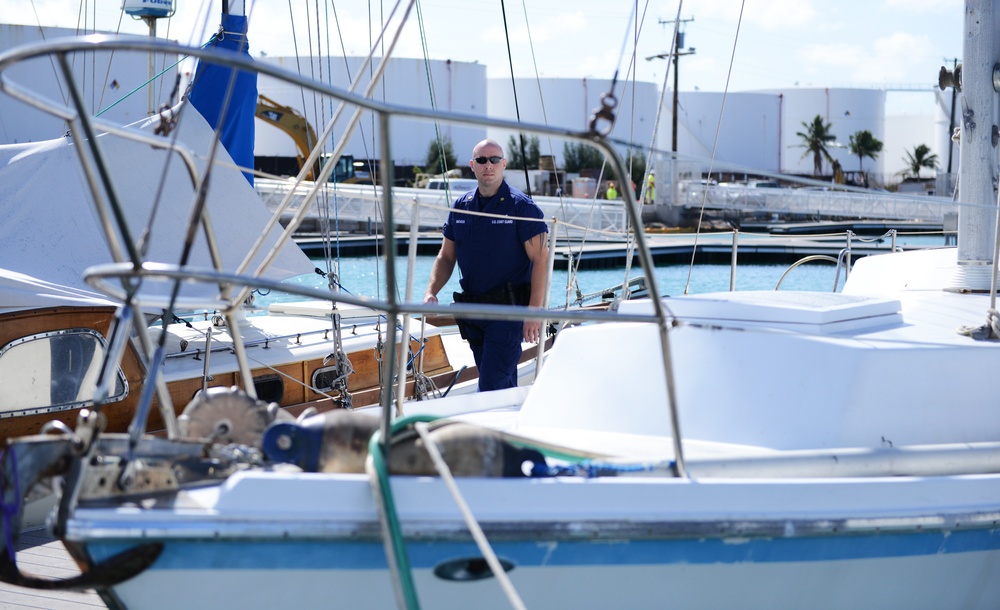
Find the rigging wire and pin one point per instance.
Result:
(517, 108)
(327, 243)
(41, 32)
(371, 165)
(170, 100)
(359, 124)
(715, 145)
(323, 207)
(632, 69)
(111, 59)
(312, 66)
(574, 270)
(570, 277)
(442, 161)
(621, 53)
(298, 62)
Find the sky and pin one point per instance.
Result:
(768, 44)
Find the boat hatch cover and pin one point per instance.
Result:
(820, 313)
(320, 309)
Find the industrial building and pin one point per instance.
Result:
(757, 130)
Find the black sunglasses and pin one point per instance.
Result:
(494, 160)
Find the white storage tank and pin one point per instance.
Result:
(459, 87)
(848, 111)
(569, 103)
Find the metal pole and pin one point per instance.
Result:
(404, 342)
(847, 256)
(545, 298)
(732, 262)
(151, 21)
(977, 154)
(392, 310)
(677, 52)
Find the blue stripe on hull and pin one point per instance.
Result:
(349, 555)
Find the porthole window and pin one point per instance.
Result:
(54, 371)
(324, 378)
(270, 388)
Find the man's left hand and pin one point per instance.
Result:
(532, 330)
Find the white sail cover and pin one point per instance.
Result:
(51, 231)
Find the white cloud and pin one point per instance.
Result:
(778, 15)
(898, 58)
(893, 55)
(771, 15)
(833, 55)
(924, 6)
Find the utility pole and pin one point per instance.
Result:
(675, 54)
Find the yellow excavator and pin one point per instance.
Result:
(298, 128)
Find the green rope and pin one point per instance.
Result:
(375, 448)
(398, 544)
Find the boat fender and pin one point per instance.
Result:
(337, 441)
(469, 451)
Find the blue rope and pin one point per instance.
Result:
(10, 510)
(591, 469)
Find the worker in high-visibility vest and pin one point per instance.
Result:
(612, 192)
(650, 197)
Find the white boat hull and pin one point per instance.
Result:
(949, 581)
(707, 544)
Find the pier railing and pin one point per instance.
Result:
(355, 206)
(820, 203)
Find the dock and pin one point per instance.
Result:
(41, 555)
(779, 245)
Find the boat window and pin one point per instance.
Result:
(53, 371)
(324, 378)
(270, 388)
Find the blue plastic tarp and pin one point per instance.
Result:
(211, 84)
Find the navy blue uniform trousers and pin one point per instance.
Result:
(496, 347)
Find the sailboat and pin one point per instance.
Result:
(54, 328)
(743, 449)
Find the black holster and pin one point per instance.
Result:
(508, 294)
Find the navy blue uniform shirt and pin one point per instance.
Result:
(490, 251)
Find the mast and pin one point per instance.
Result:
(978, 151)
(149, 11)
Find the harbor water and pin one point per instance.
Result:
(365, 276)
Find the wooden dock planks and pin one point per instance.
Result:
(40, 555)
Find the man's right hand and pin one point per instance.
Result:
(430, 299)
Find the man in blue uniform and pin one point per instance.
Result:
(501, 261)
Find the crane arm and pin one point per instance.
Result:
(294, 124)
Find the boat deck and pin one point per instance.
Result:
(41, 555)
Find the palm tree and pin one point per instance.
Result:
(864, 144)
(919, 159)
(815, 140)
